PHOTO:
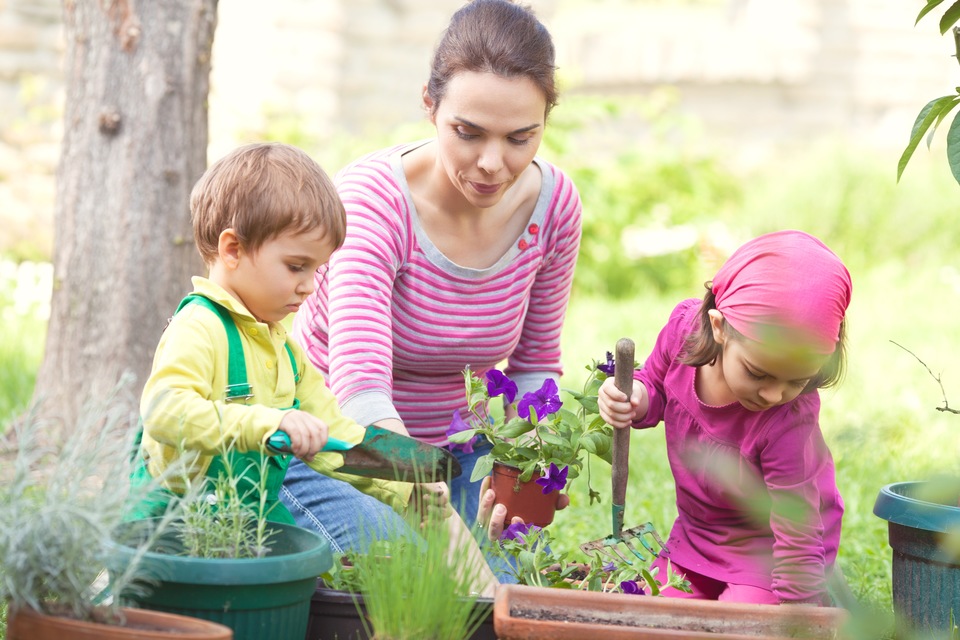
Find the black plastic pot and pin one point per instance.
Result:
(334, 616)
(924, 532)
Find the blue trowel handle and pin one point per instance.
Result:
(279, 442)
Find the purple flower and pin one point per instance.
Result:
(609, 367)
(545, 400)
(609, 567)
(631, 587)
(498, 383)
(518, 530)
(456, 426)
(555, 480)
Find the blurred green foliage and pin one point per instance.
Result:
(635, 196)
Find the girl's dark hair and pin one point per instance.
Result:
(701, 349)
(495, 36)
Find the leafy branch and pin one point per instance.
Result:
(946, 405)
(936, 111)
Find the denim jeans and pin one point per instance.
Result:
(350, 520)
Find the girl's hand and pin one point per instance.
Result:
(308, 433)
(615, 408)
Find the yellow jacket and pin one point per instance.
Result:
(183, 406)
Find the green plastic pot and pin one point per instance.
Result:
(259, 598)
(924, 533)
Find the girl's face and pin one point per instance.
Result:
(488, 130)
(274, 281)
(759, 376)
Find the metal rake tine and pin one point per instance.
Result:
(614, 549)
(633, 550)
(644, 530)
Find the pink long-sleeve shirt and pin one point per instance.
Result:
(393, 322)
(757, 500)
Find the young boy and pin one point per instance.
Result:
(265, 217)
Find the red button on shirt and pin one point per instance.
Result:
(522, 244)
(533, 229)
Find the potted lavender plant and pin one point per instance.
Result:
(59, 506)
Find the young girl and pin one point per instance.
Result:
(734, 379)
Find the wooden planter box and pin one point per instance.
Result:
(334, 616)
(525, 613)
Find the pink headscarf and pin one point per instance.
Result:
(785, 279)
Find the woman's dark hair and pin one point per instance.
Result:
(495, 36)
(701, 349)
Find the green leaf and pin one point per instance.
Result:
(527, 471)
(933, 129)
(552, 438)
(462, 437)
(589, 403)
(953, 147)
(931, 4)
(500, 449)
(930, 112)
(514, 428)
(527, 453)
(950, 17)
(482, 468)
(588, 443)
(651, 582)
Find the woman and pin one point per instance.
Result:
(460, 252)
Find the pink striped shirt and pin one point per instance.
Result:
(393, 322)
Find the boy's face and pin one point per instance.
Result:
(274, 281)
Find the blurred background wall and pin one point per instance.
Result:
(755, 78)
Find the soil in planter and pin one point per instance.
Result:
(672, 621)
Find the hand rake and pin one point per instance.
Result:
(609, 548)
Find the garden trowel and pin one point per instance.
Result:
(387, 455)
(620, 538)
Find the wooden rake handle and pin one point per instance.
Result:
(623, 377)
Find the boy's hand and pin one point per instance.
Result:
(431, 499)
(616, 409)
(308, 433)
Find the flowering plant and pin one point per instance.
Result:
(533, 562)
(537, 434)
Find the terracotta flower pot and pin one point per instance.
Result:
(521, 613)
(27, 624)
(523, 499)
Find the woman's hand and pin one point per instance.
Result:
(616, 408)
(491, 516)
(431, 500)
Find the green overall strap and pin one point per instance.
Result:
(247, 468)
(237, 386)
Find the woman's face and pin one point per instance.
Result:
(488, 130)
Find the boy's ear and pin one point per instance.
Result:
(228, 247)
(716, 326)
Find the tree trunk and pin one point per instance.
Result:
(135, 141)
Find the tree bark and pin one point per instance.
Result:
(135, 141)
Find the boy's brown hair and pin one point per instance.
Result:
(261, 191)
